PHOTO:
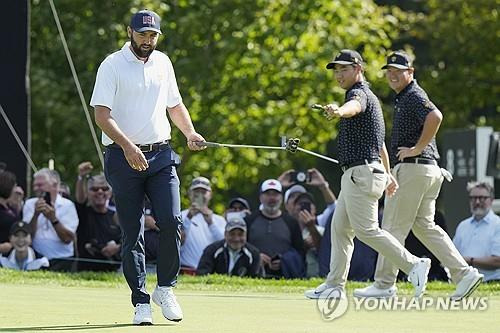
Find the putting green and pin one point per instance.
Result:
(51, 308)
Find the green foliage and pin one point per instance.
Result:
(248, 72)
(457, 49)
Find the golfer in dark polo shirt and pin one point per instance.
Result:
(414, 154)
(365, 162)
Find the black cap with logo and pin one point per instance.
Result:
(398, 59)
(346, 57)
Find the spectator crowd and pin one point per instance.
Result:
(286, 236)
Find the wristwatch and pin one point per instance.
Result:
(56, 221)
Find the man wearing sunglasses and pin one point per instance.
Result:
(98, 234)
(478, 237)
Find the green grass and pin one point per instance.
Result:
(97, 302)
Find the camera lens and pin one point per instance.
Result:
(301, 177)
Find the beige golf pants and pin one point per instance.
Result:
(413, 208)
(356, 214)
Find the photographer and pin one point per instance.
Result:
(53, 220)
(201, 227)
(304, 210)
(314, 178)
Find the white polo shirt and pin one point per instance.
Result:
(138, 94)
(198, 236)
(46, 241)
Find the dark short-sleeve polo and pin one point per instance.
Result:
(362, 136)
(411, 107)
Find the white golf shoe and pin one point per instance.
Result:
(325, 291)
(164, 297)
(418, 275)
(142, 314)
(374, 292)
(467, 285)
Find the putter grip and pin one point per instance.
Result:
(207, 144)
(318, 107)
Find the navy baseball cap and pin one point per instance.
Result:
(398, 59)
(346, 57)
(20, 226)
(145, 20)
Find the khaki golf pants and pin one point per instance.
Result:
(356, 214)
(413, 208)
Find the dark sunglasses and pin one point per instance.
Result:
(480, 198)
(97, 188)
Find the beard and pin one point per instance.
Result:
(271, 209)
(480, 212)
(139, 51)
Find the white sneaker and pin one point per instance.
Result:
(142, 314)
(164, 297)
(374, 292)
(467, 285)
(418, 275)
(325, 291)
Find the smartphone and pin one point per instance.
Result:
(198, 200)
(46, 197)
(300, 177)
(276, 257)
(305, 205)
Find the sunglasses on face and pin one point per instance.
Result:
(480, 198)
(97, 188)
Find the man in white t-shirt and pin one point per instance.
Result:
(134, 90)
(53, 220)
(201, 226)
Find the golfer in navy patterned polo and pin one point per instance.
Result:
(414, 153)
(134, 90)
(365, 162)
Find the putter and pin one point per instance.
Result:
(290, 145)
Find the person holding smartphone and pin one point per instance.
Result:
(201, 226)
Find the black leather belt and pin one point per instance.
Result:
(360, 162)
(149, 147)
(419, 160)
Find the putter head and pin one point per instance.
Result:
(292, 144)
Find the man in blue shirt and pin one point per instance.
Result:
(478, 237)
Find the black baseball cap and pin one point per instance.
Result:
(240, 200)
(20, 226)
(145, 20)
(302, 196)
(398, 59)
(346, 57)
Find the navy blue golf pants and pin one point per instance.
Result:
(161, 184)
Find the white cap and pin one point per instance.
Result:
(294, 189)
(271, 184)
(200, 182)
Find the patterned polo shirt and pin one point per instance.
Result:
(411, 107)
(362, 136)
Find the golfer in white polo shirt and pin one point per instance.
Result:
(134, 90)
